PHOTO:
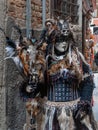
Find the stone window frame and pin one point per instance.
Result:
(64, 9)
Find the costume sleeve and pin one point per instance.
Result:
(87, 85)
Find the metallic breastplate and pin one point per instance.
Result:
(63, 87)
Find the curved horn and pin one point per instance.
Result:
(20, 32)
(8, 40)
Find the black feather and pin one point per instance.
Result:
(10, 42)
(23, 93)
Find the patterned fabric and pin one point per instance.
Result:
(63, 87)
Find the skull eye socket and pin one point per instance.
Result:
(64, 30)
(68, 31)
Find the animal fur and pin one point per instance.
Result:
(84, 117)
(74, 66)
(25, 60)
(43, 47)
(65, 119)
(31, 58)
(35, 110)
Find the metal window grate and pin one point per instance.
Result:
(65, 8)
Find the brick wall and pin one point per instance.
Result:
(17, 11)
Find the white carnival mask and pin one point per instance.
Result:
(61, 46)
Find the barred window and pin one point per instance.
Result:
(65, 8)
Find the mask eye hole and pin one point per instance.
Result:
(48, 25)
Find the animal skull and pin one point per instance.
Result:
(64, 27)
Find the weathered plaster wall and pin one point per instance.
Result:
(15, 107)
(2, 68)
